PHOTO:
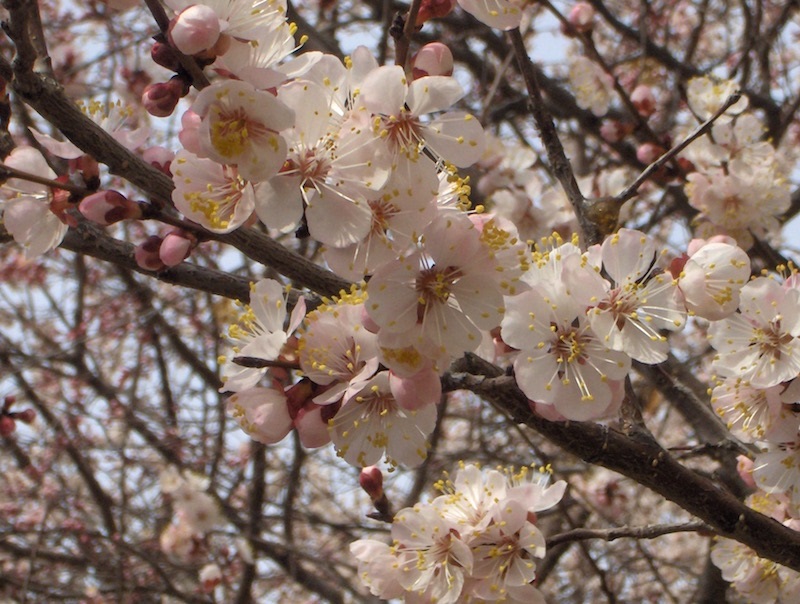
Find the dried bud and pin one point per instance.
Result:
(146, 254)
(434, 59)
(196, 29)
(176, 247)
(644, 101)
(108, 207)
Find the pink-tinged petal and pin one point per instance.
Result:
(336, 220)
(500, 14)
(267, 299)
(422, 389)
(265, 346)
(262, 413)
(571, 402)
(33, 225)
(298, 314)
(383, 91)
(311, 428)
(278, 202)
(64, 149)
(628, 254)
(433, 93)
(458, 137)
(28, 159)
(312, 110)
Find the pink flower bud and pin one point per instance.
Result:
(614, 131)
(164, 55)
(371, 480)
(581, 17)
(744, 465)
(644, 101)
(26, 416)
(108, 207)
(431, 9)
(159, 157)
(434, 59)
(196, 29)
(176, 247)
(421, 389)
(161, 98)
(189, 136)
(647, 153)
(210, 577)
(146, 254)
(7, 425)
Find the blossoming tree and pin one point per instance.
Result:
(357, 301)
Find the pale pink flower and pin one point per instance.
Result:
(259, 333)
(593, 86)
(759, 344)
(239, 125)
(433, 559)
(240, 19)
(336, 350)
(211, 194)
(712, 278)
(561, 361)
(500, 14)
(744, 205)
(628, 313)
(456, 137)
(450, 287)
(332, 164)
(26, 208)
(371, 422)
(753, 414)
(706, 95)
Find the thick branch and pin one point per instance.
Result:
(644, 460)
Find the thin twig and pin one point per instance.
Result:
(632, 189)
(627, 532)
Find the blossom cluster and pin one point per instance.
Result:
(478, 540)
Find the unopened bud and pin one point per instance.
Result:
(189, 136)
(647, 153)
(146, 254)
(164, 55)
(26, 416)
(434, 59)
(159, 157)
(371, 480)
(176, 247)
(108, 207)
(744, 466)
(196, 29)
(161, 98)
(644, 101)
(210, 577)
(581, 17)
(7, 425)
(432, 9)
(614, 131)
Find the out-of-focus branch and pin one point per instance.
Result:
(626, 532)
(559, 164)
